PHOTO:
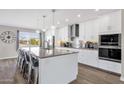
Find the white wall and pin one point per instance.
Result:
(122, 37)
(9, 50)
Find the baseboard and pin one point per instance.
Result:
(122, 78)
(8, 57)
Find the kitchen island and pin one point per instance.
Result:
(56, 66)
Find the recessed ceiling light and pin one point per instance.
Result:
(58, 22)
(96, 10)
(66, 19)
(78, 15)
(53, 27)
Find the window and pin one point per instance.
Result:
(29, 39)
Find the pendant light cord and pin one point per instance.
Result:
(53, 11)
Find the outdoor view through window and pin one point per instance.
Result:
(29, 39)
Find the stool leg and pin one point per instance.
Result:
(29, 73)
(36, 76)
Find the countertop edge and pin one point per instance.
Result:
(57, 55)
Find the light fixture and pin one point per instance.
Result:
(37, 31)
(44, 29)
(66, 19)
(96, 10)
(78, 15)
(53, 19)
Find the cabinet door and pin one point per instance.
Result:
(110, 66)
(103, 64)
(88, 30)
(103, 22)
(88, 57)
(92, 58)
(115, 22)
(110, 23)
(95, 30)
(82, 31)
(91, 30)
(114, 67)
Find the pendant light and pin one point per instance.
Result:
(53, 19)
(44, 29)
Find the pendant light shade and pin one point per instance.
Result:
(44, 28)
(53, 19)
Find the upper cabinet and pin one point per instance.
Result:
(82, 31)
(110, 23)
(89, 30)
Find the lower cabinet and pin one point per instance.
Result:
(110, 66)
(90, 57)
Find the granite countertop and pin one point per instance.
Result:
(45, 53)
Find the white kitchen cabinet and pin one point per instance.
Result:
(103, 64)
(110, 23)
(82, 31)
(89, 30)
(89, 57)
(95, 30)
(114, 67)
(109, 66)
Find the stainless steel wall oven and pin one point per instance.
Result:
(110, 47)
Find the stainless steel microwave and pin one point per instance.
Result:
(110, 40)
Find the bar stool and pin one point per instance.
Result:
(20, 59)
(34, 69)
(27, 66)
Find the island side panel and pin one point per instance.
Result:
(59, 69)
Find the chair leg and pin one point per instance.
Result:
(29, 73)
(36, 76)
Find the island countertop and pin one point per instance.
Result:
(46, 53)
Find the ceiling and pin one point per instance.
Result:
(33, 18)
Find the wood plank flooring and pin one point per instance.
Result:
(86, 75)
(89, 75)
(7, 70)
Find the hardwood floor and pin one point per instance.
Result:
(89, 75)
(7, 70)
(86, 75)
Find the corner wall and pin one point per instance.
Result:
(122, 41)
